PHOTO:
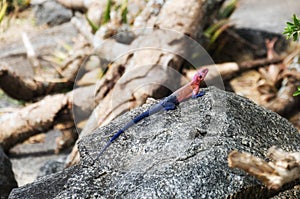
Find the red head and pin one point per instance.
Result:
(192, 88)
(200, 76)
(197, 79)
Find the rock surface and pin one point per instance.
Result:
(180, 153)
(7, 178)
(52, 13)
(265, 15)
(255, 21)
(44, 42)
(30, 160)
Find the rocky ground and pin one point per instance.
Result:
(254, 20)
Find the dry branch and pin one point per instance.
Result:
(284, 101)
(52, 111)
(263, 86)
(284, 168)
(30, 87)
(27, 88)
(38, 117)
(31, 55)
(228, 70)
(21, 80)
(246, 65)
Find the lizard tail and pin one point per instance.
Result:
(102, 151)
(127, 126)
(116, 135)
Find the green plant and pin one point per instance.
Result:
(10, 7)
(107, 11)
(92, 24)
(215, 30)
(124, 11)
(227, 10)
(296, 93)
(3, 8)
(292, 29)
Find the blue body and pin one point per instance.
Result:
(169, 103)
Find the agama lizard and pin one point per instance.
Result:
(190, 90)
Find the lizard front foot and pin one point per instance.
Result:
(200, 94)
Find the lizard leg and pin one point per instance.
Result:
(200, 94)
(169, 103)
(169, 106)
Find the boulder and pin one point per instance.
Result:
(180, 153)
(7, 178)
(255, 21)
(264, 15)
(51, 12)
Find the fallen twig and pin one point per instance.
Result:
(19, 125)
(284, 167)
(27, 88)
(230, 69)
(52, 111)
(31, 55)
(246, 65)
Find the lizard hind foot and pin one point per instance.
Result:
(169, 106)
(169, 103)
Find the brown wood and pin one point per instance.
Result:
(28, 88)
(283, 168)
(19, 125)
(53, 111)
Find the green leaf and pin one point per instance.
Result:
(296, 20)
(3, 9)
(210, 31)
(124, 10)
(93, 25)
(296, 93)
(107, 11)
(292, 30)
(228, 10)
(217, 33)
(295, 36)
(286, 30)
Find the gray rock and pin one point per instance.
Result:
(7, 178)
(254, 22)
(44, 42)
(30, 160)
(289, 193)
(124, 35)
(174, 154)
(52, 13)
(265, 15)
(51, 166)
